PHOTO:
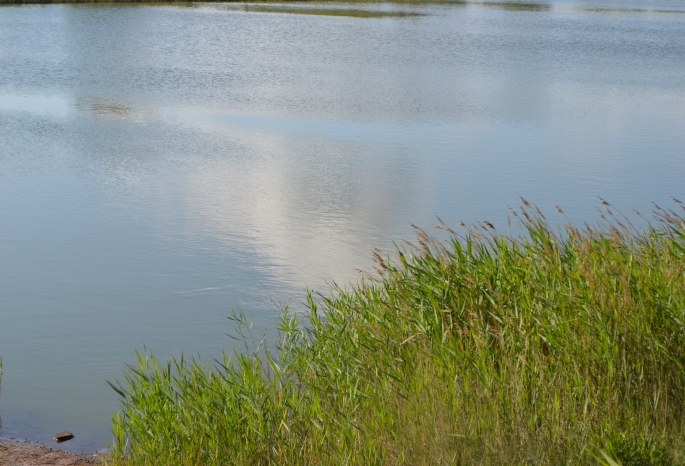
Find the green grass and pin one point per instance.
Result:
(558, 346)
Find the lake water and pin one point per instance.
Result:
(160, 164)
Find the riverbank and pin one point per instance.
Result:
(16, 453)
(558, 346)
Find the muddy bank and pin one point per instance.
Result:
(17, 453)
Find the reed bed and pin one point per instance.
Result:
(561, 345)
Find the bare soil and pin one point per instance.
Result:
(13, 453)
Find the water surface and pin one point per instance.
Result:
(160, 164)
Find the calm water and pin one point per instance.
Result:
(161, 164)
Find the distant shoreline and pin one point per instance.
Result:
(47, 2)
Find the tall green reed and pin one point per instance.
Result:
(557, 346)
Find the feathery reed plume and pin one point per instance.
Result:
(379, 260)
(525, 214)
(443, 226)
(411, 245)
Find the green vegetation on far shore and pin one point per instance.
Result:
(555, 347)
